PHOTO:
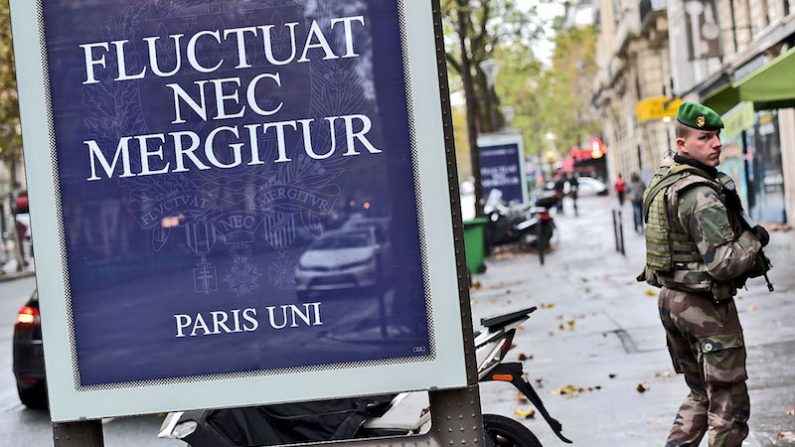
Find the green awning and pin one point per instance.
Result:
(772, 83)
(723, 99)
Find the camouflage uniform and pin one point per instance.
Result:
(703, 331)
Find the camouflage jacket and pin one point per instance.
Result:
(727, 252)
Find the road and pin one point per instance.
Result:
(21, 427)
(597, 330)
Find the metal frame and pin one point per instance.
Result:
(455, 413)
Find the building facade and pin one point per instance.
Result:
(634, 72)
(736, 56)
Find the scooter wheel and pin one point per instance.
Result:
(503, 431)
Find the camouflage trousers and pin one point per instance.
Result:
(705, 341)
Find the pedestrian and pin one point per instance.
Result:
(699, 250)
(574, 187)
(636, 189)
(620, 186)
(560, 187)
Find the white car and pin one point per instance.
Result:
(588, 186)
(341, 260)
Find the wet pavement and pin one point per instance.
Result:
(597, 330)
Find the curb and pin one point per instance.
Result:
(16, 275)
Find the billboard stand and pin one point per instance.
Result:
(78, 434)
(455, 416)
(230, 240)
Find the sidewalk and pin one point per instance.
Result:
(598, 330)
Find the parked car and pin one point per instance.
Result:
(28, 355)
(342, 260)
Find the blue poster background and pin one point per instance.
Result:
(500, 169)
(165, 270)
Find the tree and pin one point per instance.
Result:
(474, 29)
(10, 129)
(569, 82)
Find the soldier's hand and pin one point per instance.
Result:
(762, 235)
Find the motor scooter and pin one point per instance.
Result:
(403, 414)
(530, 224)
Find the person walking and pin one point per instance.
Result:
(620, 186)
(574, 187)
(636, 189)
(699, 250)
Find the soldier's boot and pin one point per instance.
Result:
(691, 422)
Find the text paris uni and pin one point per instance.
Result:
(250, 319)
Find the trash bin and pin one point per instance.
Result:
(474, 239)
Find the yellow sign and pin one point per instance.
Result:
(655, 108)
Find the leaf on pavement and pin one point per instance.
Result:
(521, 397)
(523, 357)
(650, 292)
(476, 285)
(641, 389)
(528, 413)
(786, 436)
(563, 391)
(547, 306)
(611, 375)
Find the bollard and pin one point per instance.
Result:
(621, 232)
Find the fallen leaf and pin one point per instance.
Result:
(563, 391)
(786, 436)
(571, 323)
(611, 375)
(477, 285)
(521, 398)
(641, 389)
(650, 292)
(560, 326)
(523, 357)
(547, 306)
(524, 413)
(598, 387)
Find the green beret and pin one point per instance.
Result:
(698, 117)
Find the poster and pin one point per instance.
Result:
(238, 199)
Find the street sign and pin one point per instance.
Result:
(502, 166)
(656, 108)
(237, 202)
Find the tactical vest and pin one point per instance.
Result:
(672, 258)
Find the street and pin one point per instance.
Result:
(594, 344)
(598, 330)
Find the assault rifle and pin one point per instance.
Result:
(734, 204)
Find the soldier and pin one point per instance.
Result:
(700, 251)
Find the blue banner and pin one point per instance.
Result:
(501, 168)
(236, 186)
